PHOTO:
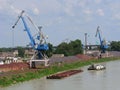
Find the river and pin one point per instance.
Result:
(108, 79)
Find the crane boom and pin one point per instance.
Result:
(26, 28)
(98, 33)
(29, 33)
(18, 19)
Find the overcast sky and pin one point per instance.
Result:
(62, 20)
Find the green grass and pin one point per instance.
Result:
(6, 81)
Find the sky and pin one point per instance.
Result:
(61, 20)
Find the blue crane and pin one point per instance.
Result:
(40, 47)
(103, 45)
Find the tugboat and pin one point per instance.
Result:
(96, 67)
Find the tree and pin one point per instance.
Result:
(115, 45)
(21, 51)
(62, 49)
(76, 47)
(50, 51)
(6, 49)
(68, 49)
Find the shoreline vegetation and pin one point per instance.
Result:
(39, 73)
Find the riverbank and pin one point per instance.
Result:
(38, 73)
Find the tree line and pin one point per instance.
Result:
(115, 46)
(68, 49)
(71, 48)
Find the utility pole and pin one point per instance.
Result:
(13, 38)
(85, 43)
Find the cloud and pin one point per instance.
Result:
(68, 7)
(87, 11)
(36, 11)
(88, 15)
(82, 3)
(7, 8)
(3, 4)
(100, 12)
(49, 6)
(15, 10)
(97, 1)
(54, 21)
(69, 11)
(12, 6)
(116, 16)
(115, 6)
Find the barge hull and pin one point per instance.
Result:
(64, 74)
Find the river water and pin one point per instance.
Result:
(108, 79)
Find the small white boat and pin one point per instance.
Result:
(96, 67)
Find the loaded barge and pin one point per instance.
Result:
(64, 74)
(96, 67)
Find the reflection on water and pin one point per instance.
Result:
(88, 80)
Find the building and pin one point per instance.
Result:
(29, 53)
(1, 61)
(8, 57)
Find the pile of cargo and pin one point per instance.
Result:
(13, 66)
(84, 57)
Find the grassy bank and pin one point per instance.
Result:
(13, 79)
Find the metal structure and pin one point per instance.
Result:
(85, 43)
(103, 45)
(40, 47)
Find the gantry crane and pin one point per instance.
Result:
(40, 47)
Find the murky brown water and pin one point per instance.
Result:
(108, 79)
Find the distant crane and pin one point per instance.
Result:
(103, 44)
(39, 47)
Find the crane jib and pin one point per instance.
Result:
(28, 32)
(103, 45)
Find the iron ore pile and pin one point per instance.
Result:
(13, 67)
(69, 59)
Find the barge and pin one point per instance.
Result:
(64, 74)
(96, 67)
